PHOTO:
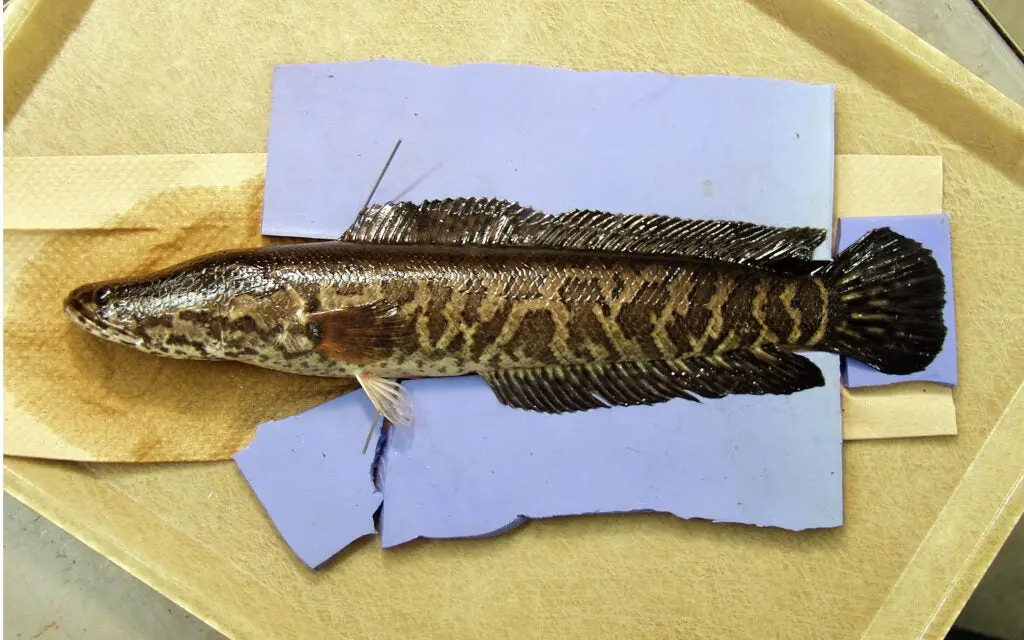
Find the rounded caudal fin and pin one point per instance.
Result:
(886, 300)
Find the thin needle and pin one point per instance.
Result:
(376, 415)
(369, 435)
(381, 176)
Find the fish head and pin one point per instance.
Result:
(103, 309)
(177, 312)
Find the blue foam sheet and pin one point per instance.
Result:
(697, 146)
(312, 478)
(708, 147)
(481, 473)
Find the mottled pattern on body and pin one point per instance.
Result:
(498, 311)
(456, 310)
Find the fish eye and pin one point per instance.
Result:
(102, 295)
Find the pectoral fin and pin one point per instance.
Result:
(360, 334)
(559, 389)
(388, 398)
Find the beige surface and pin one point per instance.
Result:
(552, 577)
(144, 212)
(868, 185)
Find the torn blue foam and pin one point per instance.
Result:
(312, 478)
(933, 232)
(480, 472)
(703, 147)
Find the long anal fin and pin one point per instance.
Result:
(389, 398)
(562, 389)
(493, 222)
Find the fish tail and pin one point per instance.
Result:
(886, 295)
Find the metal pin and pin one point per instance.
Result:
(381, 176)
(369, 435)
(376, 414)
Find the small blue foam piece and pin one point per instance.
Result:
(932, 231)
(703, 147)
(309, 473)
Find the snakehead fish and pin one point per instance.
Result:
(557, 313)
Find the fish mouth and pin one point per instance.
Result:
(83, 307)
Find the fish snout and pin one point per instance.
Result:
(85, 307)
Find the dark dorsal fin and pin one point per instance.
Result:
(458, 221)
(491, 222)
(563, 389)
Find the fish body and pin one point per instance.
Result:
(556, 313)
